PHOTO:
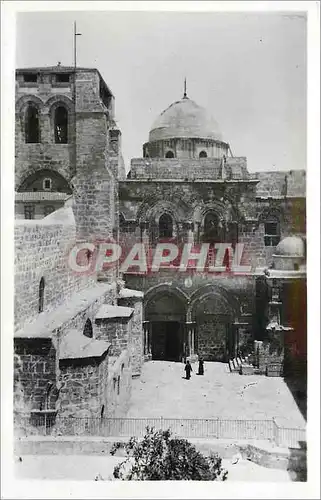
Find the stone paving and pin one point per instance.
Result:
(86, 467)
(161, 391)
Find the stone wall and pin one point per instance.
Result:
(41, 251)
(136, 346)
(34, 369)
(82, 387)
(191, 169)
(119, 384)
(116, 331)
(95, 182)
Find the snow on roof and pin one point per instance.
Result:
(128, 293)
(74, 345)
(46, 322)
(107, 311)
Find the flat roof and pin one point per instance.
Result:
(62, 69)
(75, 345)
(107, 311)
(46, 322)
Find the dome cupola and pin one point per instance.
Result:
(184, 119)
(185, 130)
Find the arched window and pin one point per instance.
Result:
(165, 226)
(61, 125)
(203, 154)
(211, 227)
(169, 154)
(41, 294)
(32, 130)
(88, 329)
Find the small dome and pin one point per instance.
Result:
(184, 119)
(291, 246)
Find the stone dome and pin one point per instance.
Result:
(291, 246)
(184, 119)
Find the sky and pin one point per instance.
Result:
(247, 69)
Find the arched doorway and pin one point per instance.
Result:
(213, 317)
(166, 314)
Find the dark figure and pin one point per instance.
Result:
(188, 370)
(200, 366)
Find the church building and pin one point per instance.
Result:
(188, 188)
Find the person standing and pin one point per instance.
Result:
(188, 370)
(200, 366)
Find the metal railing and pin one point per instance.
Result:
(214, 428)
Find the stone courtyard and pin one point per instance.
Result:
(86, 468)
(161, 391)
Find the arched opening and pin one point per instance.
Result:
(165, 226)
(102, 411)
(41, 295)
(32, 129)
(166, 313)
(169, 154)
(61, 125)
(203, 154)
(88, 329)
(211, 228)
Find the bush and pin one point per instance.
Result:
(158, 456)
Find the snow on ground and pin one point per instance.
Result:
(161, 391)
(87, 467)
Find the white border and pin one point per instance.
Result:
(12, 488)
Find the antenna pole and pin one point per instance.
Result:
(75, 44)
(75, 95)
(185, 94)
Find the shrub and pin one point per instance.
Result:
(158, 456)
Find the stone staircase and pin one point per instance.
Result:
(241, 365)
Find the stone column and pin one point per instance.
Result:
(190, 346)
(193, 341)
(144, 232)
(147, 340)
(189, 228)
(150, 333)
